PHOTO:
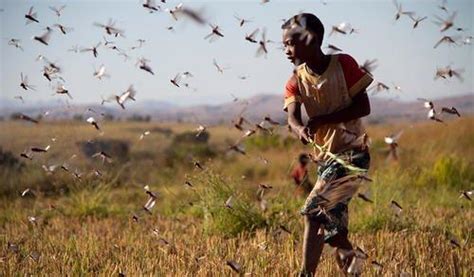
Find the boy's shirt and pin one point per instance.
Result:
(299, 174)
(328, 93)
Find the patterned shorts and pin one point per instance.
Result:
(336, 219)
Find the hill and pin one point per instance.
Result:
(253, 108)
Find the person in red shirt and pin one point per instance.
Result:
(300, 176)
(332, 89)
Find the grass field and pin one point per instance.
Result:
(85, 226)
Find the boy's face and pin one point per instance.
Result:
(296, 48)
(304, 161)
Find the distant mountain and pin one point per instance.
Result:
(62, 110)
(254, 108)
(383, 110)
(153, 105)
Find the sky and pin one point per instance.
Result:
(405, 55)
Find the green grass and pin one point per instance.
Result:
(86, 224)
(212, 193)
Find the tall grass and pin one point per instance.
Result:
(94, 200)
(85, 226)
(240, 216)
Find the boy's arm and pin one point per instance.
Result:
(360, 107)
(296, 123)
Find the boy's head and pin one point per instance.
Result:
(302, 37)
(303, 159)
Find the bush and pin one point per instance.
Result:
(160, 130)
(448, 171)
(191, 137)
(139, 118)
(9, 161)
(117, 149)
(12, 182)
(187, 146)
(213, 191)
(90, 201)
(263, 142)
(78, 117)
(452, 172)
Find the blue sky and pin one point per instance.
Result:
(405, 56)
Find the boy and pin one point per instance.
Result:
(332, 89)
(300, 176)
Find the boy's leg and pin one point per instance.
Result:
(341, 241)
(313, 243)
(337, 223)
(313, 240)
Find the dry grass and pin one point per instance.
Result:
(108, 246)
(85, 228)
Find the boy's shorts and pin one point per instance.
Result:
(305, 188)
(336, 220)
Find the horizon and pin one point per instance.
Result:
(140, 102)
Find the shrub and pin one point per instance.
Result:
(191, 137)
(186, 146)
(13, 182)
(213, 191)
(448, 171)
(117, 149)
(90, 201)
(452, 172)
(263, 142)
(9, 161)
(139, 118)
(160, 130)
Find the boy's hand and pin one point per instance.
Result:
(313, 124)
(304, 135)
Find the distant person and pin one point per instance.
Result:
(332, 88)
(300, 176)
